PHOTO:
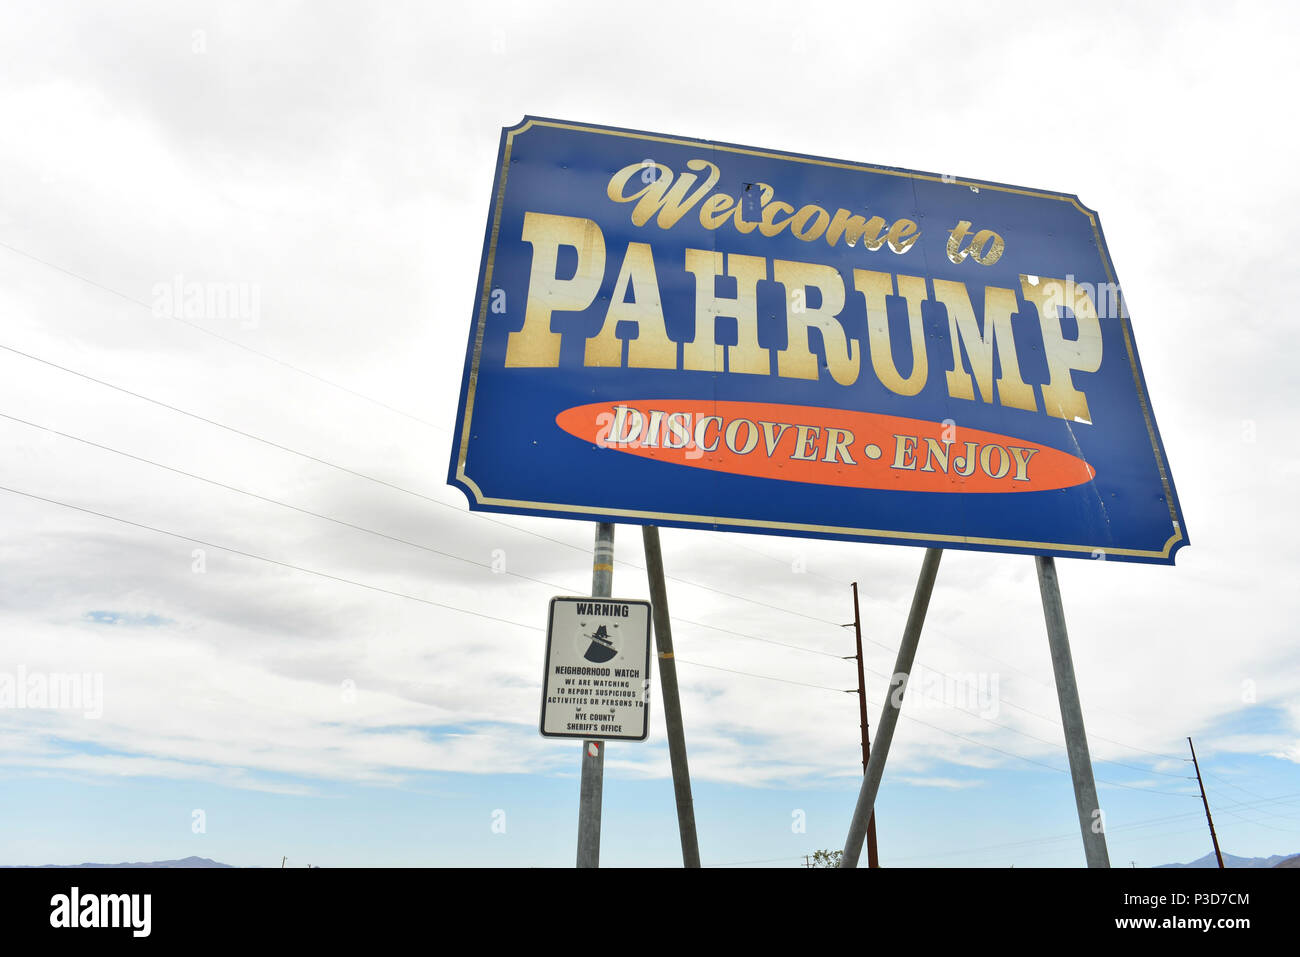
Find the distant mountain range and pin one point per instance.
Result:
(1230, 860)
(183, 862)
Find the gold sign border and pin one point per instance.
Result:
(918, 537)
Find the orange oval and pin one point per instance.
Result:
(819, 446)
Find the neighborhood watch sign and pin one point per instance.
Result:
(682, 332)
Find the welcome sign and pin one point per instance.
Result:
(681, 332)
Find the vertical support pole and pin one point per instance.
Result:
(654, 563)
(1091, 822)
(593, 752)
(1204, 800)
(893, 703)
(873, 859)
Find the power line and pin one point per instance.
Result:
(935, 727)
(1042, 717)
(1231, 784)
(1135, 825)
(1232, 805)
(781, 561)
(1034, 737)
(937, 671)
(395, 487)
(371, 478)
(941, 634)
(1021, 853)
(1009, 703)
(750, 674)
(1271, 827)
(285, 448)
(301, 371)
(263, 558)
(1284, 799)
(379, 534)
(1054, 744)
(767, 641)
(309, 456)
(288, 505)
(234, 342)
(944, 636)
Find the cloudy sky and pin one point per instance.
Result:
(362, 688)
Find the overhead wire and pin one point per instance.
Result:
(264, 558)
(288, 365)
(216, 335)
(384, 535)
(912, 717)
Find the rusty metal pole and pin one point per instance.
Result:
(866, 805)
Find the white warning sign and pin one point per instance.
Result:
(597, 682)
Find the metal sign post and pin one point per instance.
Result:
(1091, 820)
(593, 752)
(654, 563)
(866, 806)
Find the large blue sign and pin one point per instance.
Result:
(681, 332)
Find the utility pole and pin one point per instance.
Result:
(1213, 837)
(866, 806)
(873, 860)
